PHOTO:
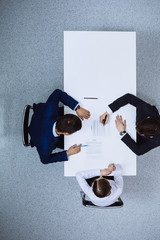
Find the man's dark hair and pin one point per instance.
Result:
(101, 187)
(69, 123)
(148, 127)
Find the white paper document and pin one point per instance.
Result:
(94, 149)
(97, 128)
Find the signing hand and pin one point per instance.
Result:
(83, 113)
(74, 150)
(120, 124)
(104, 118)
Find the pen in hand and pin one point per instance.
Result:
(104, 120)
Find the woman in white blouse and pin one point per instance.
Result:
(103, 192)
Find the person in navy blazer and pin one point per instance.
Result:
(147, 124)
(49, 125)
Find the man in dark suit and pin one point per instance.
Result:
(147, 124)
(49, 125)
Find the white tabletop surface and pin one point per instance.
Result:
(100, 65)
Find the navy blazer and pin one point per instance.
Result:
(143, 144)
(41, 127)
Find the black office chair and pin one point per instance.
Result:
(87, 203)
(25, 124)
(25, 135)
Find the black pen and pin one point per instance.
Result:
(104, 120)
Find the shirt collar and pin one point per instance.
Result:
(54, 130)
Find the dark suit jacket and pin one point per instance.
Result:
(143, 144)
(41, 127)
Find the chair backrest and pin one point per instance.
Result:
(87, 203)
(25, 136)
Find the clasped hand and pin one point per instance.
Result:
(83, 113)
(109, 170)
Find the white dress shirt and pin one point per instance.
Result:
(116, 186)
(54, 130)
(109, 110)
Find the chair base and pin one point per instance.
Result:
(87, 203)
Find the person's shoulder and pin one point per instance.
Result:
(156, 110)
(46, 145)
(46, 137)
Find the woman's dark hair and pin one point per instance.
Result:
(148, 127)
(101, 187)
(69, 123)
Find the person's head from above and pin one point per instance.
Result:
(101, 187)
(148, 127)
(68, 124)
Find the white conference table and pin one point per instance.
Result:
(100, 65)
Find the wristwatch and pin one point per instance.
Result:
(122, 133)
(78, 107)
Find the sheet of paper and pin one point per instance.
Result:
(94, 149)
(97, 128)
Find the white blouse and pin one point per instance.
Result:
(116, 185)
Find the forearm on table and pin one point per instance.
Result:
(124, 100)
(138, 149)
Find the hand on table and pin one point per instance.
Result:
(83, 113)
(120, 124)
(104, 118)
(74, 150)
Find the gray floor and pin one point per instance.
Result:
(36, 201)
